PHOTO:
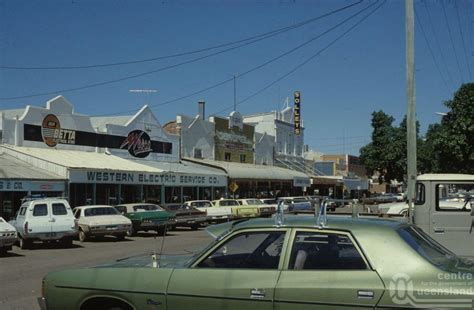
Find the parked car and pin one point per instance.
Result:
(296, 204)
(264, 210)
(99, 221)
(214, 214)
(8, 236)
(146, 216)
(186, 216)
(45, 219)
(381, 198)
(255, 264)
(238, 210)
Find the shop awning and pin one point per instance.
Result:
(15, 169)
(253, 172)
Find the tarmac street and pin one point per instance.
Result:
(21, 271)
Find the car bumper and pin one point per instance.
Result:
(42, 303)
(104, 232)
(50, 236)
(152, 225)
(7, 241)
(189, 221)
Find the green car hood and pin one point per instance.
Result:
(149, 215)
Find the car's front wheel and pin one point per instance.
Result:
(131, 232)
(24, 243)
(82, 236)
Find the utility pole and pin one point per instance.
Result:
(411, 108)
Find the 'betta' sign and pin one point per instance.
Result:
(138, 144)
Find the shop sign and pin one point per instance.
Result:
(297, 113)
(138, 144)
(33, 186)
(236, 120)
(53, 134)
(301, 182)
(168, 179)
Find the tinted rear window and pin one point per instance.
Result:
(40, 210)
(59, 209)
(100, 211)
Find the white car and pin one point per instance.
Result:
(263, 209)
(98, 221)
(8, 236)
(214, 214)
(45, 219)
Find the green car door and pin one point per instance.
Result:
(240, 272)
(326, 270)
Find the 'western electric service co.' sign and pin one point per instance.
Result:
(168, 179)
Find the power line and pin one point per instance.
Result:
(308, 59)
(438, 45)
(258, 37)
(162, 69)
(462, 39)
(259, 66)
(451, 39)
(431, 51)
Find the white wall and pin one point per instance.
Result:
(264, 146)
(196, 133)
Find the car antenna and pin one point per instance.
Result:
(279, 216)
(322, 219)
(156, 257)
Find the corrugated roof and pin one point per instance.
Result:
(12, 168)
(101, 122)
(250, 171)
(81, 159)
(186, 167)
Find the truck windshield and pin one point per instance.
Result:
(434, 252)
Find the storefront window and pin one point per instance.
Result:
(173, 194)
(152, 193)
(107, 194)
(131, 194)
(80, 194)
(205, 193)
(10, 203)
(189, 193)
(219, 192)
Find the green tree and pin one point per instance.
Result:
(450, 145)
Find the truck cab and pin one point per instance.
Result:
(444, 209)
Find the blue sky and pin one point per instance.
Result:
(362, 72)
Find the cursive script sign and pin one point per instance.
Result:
(138, 144)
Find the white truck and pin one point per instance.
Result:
(45, 219)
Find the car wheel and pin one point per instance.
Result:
(82, 236)
(3, 251)
(120, 237)
(131, 232)
(194, 226)
(24, 244)
(162, 231)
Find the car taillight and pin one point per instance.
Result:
(25, 228)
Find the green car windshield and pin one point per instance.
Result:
(434, 252)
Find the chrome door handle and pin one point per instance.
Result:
(257, 293)
(365, 294)
(439, 230)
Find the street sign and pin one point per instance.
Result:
(233, 187)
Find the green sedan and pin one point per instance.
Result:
(146, 216)
(347, 263)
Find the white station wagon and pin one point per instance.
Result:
(98, 221)
(45, 219)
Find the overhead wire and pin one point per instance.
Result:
(307, 60)
(438, 45)
(462, 39)
(256, 67)
(451, 39)
(258, 37)
(420, 23)
(143, 73)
